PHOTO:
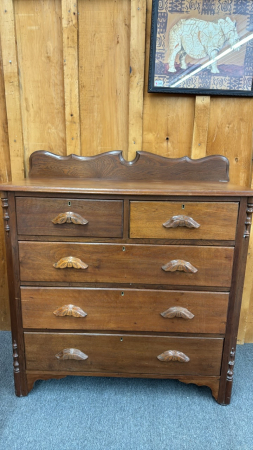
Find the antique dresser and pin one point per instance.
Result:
(126, 269)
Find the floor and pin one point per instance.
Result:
(124, 414)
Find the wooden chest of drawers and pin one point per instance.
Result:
(126, 269)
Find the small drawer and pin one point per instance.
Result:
(121, 353)
(113, 263)
(69, 217)
(183, 220)
(124, 310)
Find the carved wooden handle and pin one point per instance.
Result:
(69, 217)
(177, 311)
(70, 261)
(179, 264)
(181, 221)
(70, 310)
(71, 353)
(173, 355)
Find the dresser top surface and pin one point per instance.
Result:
(116, 187)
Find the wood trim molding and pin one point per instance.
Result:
(6, 217)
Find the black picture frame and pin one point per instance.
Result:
(166, 14)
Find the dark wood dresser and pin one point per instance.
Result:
(126, 269)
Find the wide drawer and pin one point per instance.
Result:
(122, 353)
(125, 310)
(183, 220)
(69, 217)
(105, 263)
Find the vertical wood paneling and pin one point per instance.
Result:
(12, 88)
(40, 56)
(200, 126)
(230, 134)
(71, 85)
(5, 175)
(104, 66)
(168, 119)
(137, 66)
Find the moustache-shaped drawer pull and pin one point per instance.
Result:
(180, 265)
(181, 221)
(70, 262)
(70, 310)
(69, 217)
(177, 311)
(71, 353)
(173, 355)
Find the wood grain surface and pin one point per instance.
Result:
(34, 217)
(137, 72)
(200, 126)
(12, 88)
(5, 175)
(40, 56)
(167, 119)
(104, 61)
(112, 166)
(124, 353)
(117, 263)
(216, 220)
(71, 75)
(126, 309)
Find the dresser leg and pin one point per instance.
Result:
(212, 382)
(225, 394)
(19, 376)
(33, 377)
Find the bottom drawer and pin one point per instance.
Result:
(123, 353)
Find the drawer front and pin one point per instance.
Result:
(122, 353)
(69, 217)
(201, 220)
(125, 310)
(109, 263)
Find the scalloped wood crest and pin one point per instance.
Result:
(145, 166)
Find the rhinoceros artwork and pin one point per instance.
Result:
(201, 47)
(199, 39)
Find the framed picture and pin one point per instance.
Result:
(202, 47)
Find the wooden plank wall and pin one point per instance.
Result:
(73, 79)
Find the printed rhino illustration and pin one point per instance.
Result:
(198, 39)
